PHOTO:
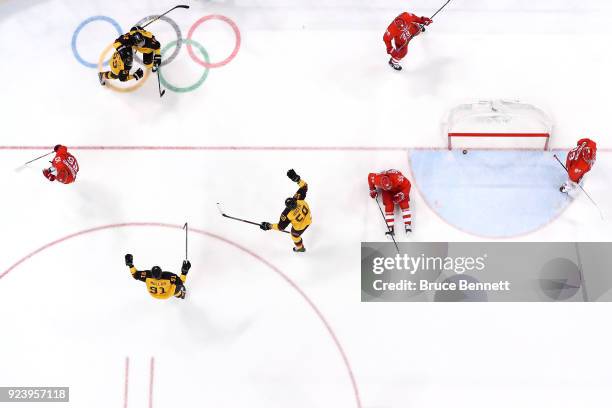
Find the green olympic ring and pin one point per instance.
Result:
(202, 78)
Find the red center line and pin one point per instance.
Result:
(226, 148)
(256, 148)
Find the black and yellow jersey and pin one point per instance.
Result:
(150, 43)
(119, 70)
(169, 285)
(300, 216)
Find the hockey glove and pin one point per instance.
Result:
(398, 198)
(265, 226)
(156, 62)
(185, 268)
(129, 260)
(293, 176)
(373, 193)
(138, 74)
(47, 173)
(427, 21)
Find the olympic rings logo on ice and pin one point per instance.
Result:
(204, 60)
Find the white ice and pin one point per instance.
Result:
(308, 75)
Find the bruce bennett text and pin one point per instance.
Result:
(425, 285)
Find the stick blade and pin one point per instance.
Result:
(184, 6)
(220, 209)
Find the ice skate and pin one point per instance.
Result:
(301, 249)
(391, 233)
(101, 78)
(395, 65)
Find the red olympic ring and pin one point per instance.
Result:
(226, 61)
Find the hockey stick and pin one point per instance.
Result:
(390, 232)
(422, 26)
(24, 165)
(161, 93)
(241, 220)
(186, 228)
(183, 6)
(583, 190)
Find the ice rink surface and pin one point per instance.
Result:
(309, 89)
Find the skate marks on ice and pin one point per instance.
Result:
(333, 353)
(496, 194)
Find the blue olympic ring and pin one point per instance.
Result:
(78, 30)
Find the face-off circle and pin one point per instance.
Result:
(202, 78)
(76, 33)
(109, 84)
(178, 41)
(234, 51)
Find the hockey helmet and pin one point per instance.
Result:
(385, 183)
(400, 23)
(415, 28)
(127, 56)
(291, 203)
(588, 155)
(156, 272)
(138, 39)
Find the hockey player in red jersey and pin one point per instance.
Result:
(395, 190)
(579, 162)
(404, 28)
(64, 167)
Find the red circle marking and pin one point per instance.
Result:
(234, 51)
(285, 277)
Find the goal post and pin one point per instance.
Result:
(497, 124)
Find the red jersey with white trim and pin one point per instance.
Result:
(390, 180)
(403, 28)
(66, 165)
(581, 159)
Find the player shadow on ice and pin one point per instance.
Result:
(496, 194)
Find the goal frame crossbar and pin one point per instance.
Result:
(544, 135)
(498, 119)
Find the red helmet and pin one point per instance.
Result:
(385, 183)
(400, 23)
(588, 155)
(414, 29)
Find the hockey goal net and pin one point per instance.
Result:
(497, 124)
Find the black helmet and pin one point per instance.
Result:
(156, 272)
(291, 203)
(138, 39)
(126, 56)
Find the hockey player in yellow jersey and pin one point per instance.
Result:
(137, 39)
(296, 213)
(161, 284)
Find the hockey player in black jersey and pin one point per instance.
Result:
(161, 284)
(137, 39)
(296, 213)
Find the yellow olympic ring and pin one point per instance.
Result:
(131, 88)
